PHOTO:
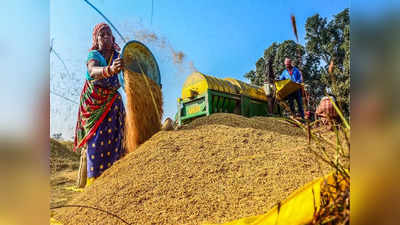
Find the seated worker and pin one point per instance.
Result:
(292, 73)
(326, 112)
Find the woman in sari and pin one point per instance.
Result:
(100, 126)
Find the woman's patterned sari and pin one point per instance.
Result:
(100, 123)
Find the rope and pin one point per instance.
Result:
(120, 35)
(90, 207)
(152, 6)
(145, 77)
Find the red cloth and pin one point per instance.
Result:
(307, 114)
(326, 109)
(96, 30)
(290, 71)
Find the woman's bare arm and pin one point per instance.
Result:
(96, 71)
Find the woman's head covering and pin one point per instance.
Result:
(96, 31)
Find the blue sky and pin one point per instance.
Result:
(24, 65)
(221, 38)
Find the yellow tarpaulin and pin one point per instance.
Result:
(285, 88)
(54, 222)
(297, 209)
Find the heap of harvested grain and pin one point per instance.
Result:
(216, 169)
(144, 109)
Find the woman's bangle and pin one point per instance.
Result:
(109, 71)
(104, 72)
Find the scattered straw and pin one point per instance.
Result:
(142, 119)
(335, 203)
(178, 56)
(160, 44)
(294, 27)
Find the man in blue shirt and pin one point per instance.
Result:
(293, 74)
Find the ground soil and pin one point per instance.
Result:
(64, 164)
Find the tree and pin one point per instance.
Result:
(312, 78)
(57, 136)
(251, 75)
(274, 57)
(272, 63)
(325, 41)
(331, 42)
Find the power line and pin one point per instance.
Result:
(152, 7)
(66, 68)
(52, 49)
(62, 61)
(51, 44)
(120, 35)
(65, 98)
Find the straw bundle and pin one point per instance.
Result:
(294, 27)
(144, 109)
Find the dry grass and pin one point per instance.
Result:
(335, 196)
(62, 157)
(335, 203)
(143, 117)
(63, 170)
(59, 181)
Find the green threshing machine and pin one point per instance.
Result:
(203, 95)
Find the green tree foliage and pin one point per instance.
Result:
(330, 41)
(325, 41)
(251, 75)
(272, 61)
(312, 78)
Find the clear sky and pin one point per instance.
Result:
(221, 38)
(24, 64)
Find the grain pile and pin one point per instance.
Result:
(216, 169)
(143, 119)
